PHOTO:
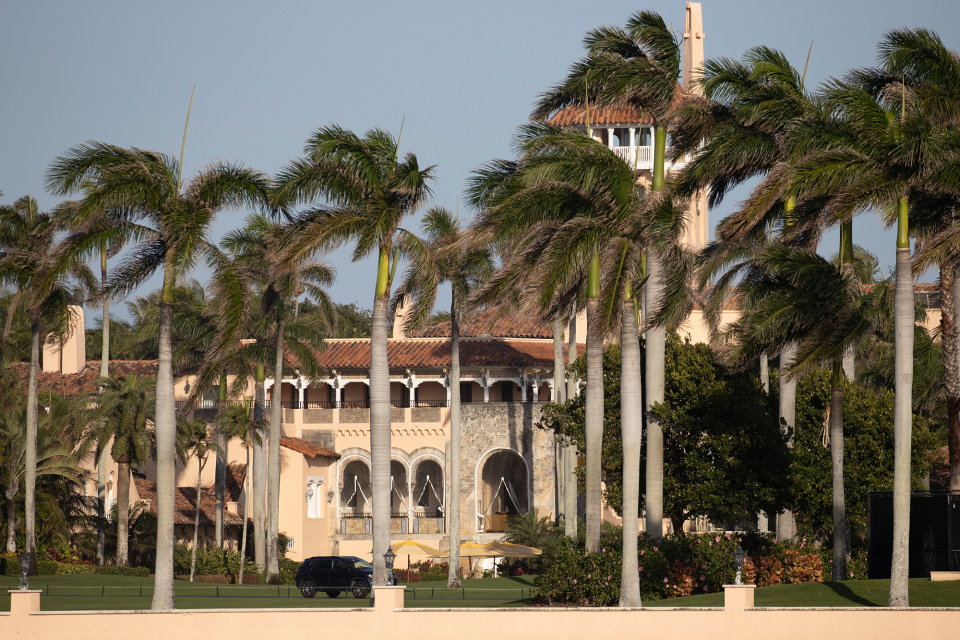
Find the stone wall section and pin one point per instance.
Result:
(501, 425)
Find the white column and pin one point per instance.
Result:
(302, 390)
(523, 390)
(486, 392)
(553, 392)
(633, 147)
(610, 137)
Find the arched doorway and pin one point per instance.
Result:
(355, 495)
(502, 490)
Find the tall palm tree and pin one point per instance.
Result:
(571, 213)
(435, 259)
(148, 186)
(884, 163)
(919, 59)
(797, 297)
(755, 121)
(365, 191)
(194, 442)
(101, 224)
(32, 256)
(636, 67)
(122, 411)
(236, 423)
(259, 257)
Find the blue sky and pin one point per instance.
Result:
(464, 74)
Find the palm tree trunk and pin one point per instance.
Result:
(655, 384)
(572, 491)
(380, 437)
(631, 429)
(559, 393)
(765, 373)
(123, 510)
(12, 514)
(220, 470)
(30, 475)
(196, 520)
(594, 409)
(273, 477)
(259, 472)
(902, 413)
(836, 459)
(246, 515)
(165, 429)
(951, 366)
(102, 458)
(453, 507)
(788, 407)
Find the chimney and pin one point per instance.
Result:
(70, 354)
(692, 47)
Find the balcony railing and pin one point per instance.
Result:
(400, 523)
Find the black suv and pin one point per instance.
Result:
(334, 575)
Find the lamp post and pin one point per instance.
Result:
(24, 569)
(738, 558)
(388, 558)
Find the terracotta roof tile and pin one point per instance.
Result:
(236, 474)
(433, 352)
(186, 503)
(84, 381)
(486, 323)
(571, 116)
(307, 448)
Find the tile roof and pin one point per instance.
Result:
(570, 116)
(307, 448)
(70, 384)
(486, 322)
(435, 352)
(186, 503)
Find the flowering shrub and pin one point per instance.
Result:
(427, 570)
(677, 565)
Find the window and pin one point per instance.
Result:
(466, 392)
(323, 563)
(506, 391)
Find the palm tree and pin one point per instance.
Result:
(31, 257)
(797, 297)
(433, 260)
(884, 162)
(235, 422)
(755, 121)
(919, 59)
(367, 192)
(101, 224)
(259, 258)
(145, 185)
(194, 442)
(637, 67)
(123, 409)
(55, 458)
(572, 216)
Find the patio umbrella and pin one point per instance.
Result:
(414, 547)
(502, 549)
(468, 550)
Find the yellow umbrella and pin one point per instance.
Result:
(511, 550)
(468, 550)
(413, 547)
(504, 549)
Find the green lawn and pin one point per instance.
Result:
(852, 593)
(101, 592)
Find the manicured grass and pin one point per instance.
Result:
(851, 593)
(102, 592)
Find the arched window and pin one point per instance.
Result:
(355, 491)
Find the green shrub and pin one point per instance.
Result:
(430, 570)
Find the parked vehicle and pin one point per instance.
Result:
(335, 574)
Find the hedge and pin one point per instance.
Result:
(11, 567)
